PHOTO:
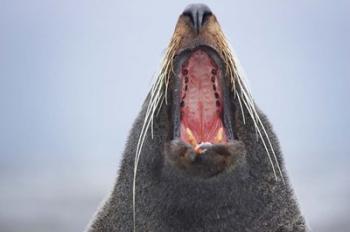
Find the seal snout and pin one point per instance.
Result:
(198, 15)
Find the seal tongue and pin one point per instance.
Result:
(201, 101)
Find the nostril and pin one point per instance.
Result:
(190, 16)
(198, 15)
(206, 16)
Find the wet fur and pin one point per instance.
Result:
(246, 198)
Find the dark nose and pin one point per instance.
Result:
(198, 14)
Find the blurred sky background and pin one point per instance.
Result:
(73, 75)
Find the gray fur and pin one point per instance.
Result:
(247, 198)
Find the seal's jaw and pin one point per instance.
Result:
(203, 142)
(203, 95)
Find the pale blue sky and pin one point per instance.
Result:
(73, 75)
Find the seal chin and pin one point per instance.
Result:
(213, 159)
(204, 142)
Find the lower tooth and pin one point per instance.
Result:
(219, 136)
(191, 138)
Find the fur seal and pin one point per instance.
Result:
(200, 156)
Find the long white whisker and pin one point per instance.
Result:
(271, 147)
(262, 140)
(240, 104)
(263, 129)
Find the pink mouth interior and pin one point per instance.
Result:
(201, 101)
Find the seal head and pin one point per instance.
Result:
(201, 156)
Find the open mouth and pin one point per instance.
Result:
(201, 97)
(197, 79)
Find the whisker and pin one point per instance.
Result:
(157, 96)
(236, 75)
(240, 104)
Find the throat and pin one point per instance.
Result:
(201, 103)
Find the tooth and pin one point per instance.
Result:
(191, 139)
(219, 136)
(198, 149)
